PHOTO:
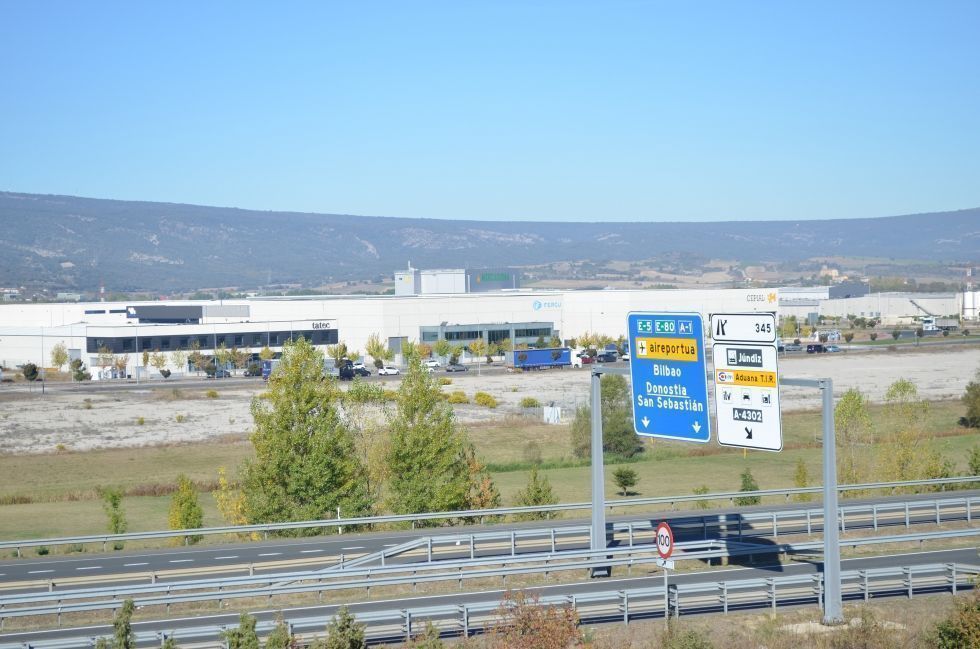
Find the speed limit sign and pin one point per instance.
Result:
(665, 540)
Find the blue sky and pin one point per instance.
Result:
(504, 110)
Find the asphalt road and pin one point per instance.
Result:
(281, 555)
(189, 629)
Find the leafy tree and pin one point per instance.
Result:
(121, 362)
(179, 359)
(873, 336)
(483, 493)
(625, 479)
(185, 510)
(919, 332)
(194, 357)
(239, 358)
(618, 436)
(849, 336)
(280, 638)
(112, 505)
(442, 347)
(425, 350)
(427, 456)
(59, 355)
(961, 629)
(266, 354)
(158, 361)
(305, 464)
(122, 628)
(454, 354)
(555, 341)
(801, 479)
(748, 484)
(377, 350)
(145, 358)
(493, 349)
(223, 356)
(78, 372)
(905, 456)
(338, 353)
(343, 632)
(478, 348)
(428, 639)
(971, 398)
(895, 334)
(244, 636)
(537, 492)
(29, 370)
(852, 423)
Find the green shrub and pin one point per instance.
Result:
(389, 395)
(484, 399)
(458, 396)
(180, 419)
(961, 628)
(700, 491)
(675, 638)
(42, 550)
(445, 380)
(530, 402)
(211, 394)
(748, 484)
(87, 404)
(140, 421)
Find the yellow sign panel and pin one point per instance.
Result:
(668, 349)
(752, 378)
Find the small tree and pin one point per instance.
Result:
(848, 337)
(145, 357)
(78, 372)
(873, 336)
(973, 461)
(267, 354)
(525, 624)
(748, 484)
(158, 361)
(443, 348)
(895, 334)
(122, 628)
(59, 356)
(179, 359)
(112, 505)
(121, 362)
(244, 636)
(971, 399)
(919, 332)
(185, 510)
(478, 348)
(280, 638)
(536, 493)
(625, 479)
(29, 370)
(801, 480)
(377, 350)
(343, 632)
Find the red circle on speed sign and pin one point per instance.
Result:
(665, 540)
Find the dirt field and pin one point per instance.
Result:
(30, 423)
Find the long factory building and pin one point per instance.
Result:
(29, 331)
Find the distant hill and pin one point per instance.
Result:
(69, 243)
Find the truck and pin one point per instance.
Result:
(933, 323)
(268, 367)
(537, 359)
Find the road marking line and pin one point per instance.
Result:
(270, 554)
(89, 568)
(38, 572)
(354, 547)
(231, 556)
(127, 565)
(180, 561)
(309, 551)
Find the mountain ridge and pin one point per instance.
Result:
(72, 243)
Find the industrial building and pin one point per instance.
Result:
(28, 332)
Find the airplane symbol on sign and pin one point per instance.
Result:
(641, 347)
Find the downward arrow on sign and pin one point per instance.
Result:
(646, 422)
(696, 426)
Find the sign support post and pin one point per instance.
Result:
(832, 607)
(598, 529)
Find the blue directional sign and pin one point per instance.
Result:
(670, 384)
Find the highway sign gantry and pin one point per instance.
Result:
(746, 381)
(668, 375)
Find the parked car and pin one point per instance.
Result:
(815, 348)
(606, 357)
(832, 348)
(220, 374)
(456, 367)
(586, 359)
(361, 371)
(387, 370)
(793, 347)
(359, 365)
(432, 364)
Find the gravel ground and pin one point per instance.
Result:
(30, 423)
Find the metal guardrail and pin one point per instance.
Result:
(341, 523)
(414, 574)
(722, 595)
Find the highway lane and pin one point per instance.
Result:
(317, 552)
(184, 628)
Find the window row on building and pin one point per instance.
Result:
(134, 344)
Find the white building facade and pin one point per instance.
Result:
(28, 332)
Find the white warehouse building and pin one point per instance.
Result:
(28, 332)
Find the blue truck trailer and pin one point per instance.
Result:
(536, 359)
